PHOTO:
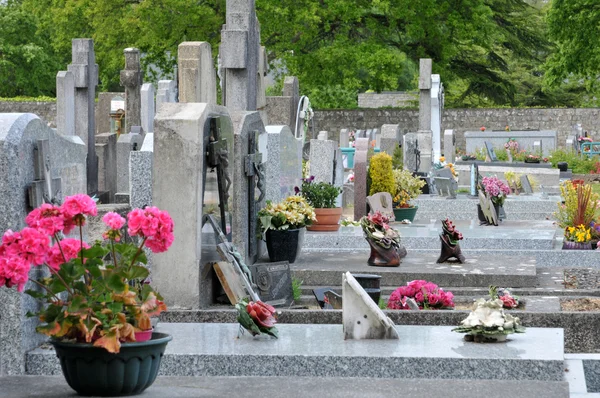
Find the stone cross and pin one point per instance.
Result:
(85, 74)
(65, 103)
(197, 79)
(148, 110)
(131, 79)
(44, 189)
(239, 52)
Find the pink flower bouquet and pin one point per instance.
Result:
(495, 189)
(94, 293)
(426, 294)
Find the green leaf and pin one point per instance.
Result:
(95, 252)
(115, 283)
(138, 272)
(35, 294)
(115, 307)
(30, 314)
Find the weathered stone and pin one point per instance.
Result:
(125, 144)
(167, 92)
(449, 149)
(148, 109)
(284, 163)
(390, 138)
(197, 79)
(131, 79)
(140, 174)
(425, 94)
(322, 156)
(360, 178)
(65, 103)
(103, 109)
(106, 148)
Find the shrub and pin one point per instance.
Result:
(381, 173)
(321, 195)
(407, 187)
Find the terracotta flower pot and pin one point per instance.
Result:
(327, 220)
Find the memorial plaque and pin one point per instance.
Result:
(382, 202)
(274, 282)
(491, 155)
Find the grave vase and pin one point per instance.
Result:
(450, 251)
(382, 257)
(405, 213)
(92, 370)
(284, 245)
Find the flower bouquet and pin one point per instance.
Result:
(386, 249)
(90, 293)
(508, 300)
(257, 317)
(495, 189)
(450, 247)
(427, 295)
(487, 322)
(531, 158)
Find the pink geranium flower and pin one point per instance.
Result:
(154, 225)
(70, 250)
(113, 220)
(47, 218)
(78, 206)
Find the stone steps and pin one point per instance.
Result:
(209, 349)
(302, 387)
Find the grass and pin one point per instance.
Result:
(297, 288)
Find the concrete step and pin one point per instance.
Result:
(301, 387)
(467, 205)
(324, 269)
(209, 349)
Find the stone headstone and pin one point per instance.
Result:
(449, 145)
(360, 178)
(390, 138)
(526, 185)
(85, 74)
(437, 106)
(322, 157)
(361, 134)
(140, 174)
(338, 174)
(291, 89)
(445, 187)
(243, 221)
(103, 110)
(197, 79)
(148, 109)
(425, 85)
(361, 317)
(106, 148)
(411, 152)
(131, 79)
(179, 156)
(284, 163)
(491, 154)
(167, 92)
(239, 52)
(261, 84)
(19, 136)
(382, 202)
(125, 144)
(378, 140)
(537, 147)
(323, 135)
(571, 143)
(274, 283)
(65, 103)
(344, 138)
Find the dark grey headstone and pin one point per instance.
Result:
(526, 185)
(490, 152)
(274, 282)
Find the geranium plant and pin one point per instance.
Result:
(320, 195)
(427, 295)
(407, 188)
(495, 189)
(376, 228)
(94, 293)
(257, 317)
(294, 212)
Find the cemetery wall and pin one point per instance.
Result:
(392, 100)
(45, 110)
(461, 120)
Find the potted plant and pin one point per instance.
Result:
(576, 214)
(407, 187)
(322, 196)
(386, 249)
(94, 298)
(426, 295)
(283, 225)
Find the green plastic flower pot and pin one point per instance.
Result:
(92, 370)
(406, 213)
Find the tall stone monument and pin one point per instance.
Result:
(148, 108)
(424, 135)
(65, 103)
(85, 73)
(131, 79)
(197, 79)
(239, 52)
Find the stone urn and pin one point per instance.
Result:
(382, 257)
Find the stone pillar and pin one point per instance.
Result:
(425, 94)
(65, 103)
(344, 138)
(106, 148)
(147, 111)
(125, 144)
(239, 51)
(291, 88)
(197, 79)
(85, 74)
(390, 138)
(322, 156)
(449, 149)
(360, 178)
(131, 79)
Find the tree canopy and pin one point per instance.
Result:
(488, 52)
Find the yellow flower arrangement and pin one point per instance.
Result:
(579, 234)
(294, 212)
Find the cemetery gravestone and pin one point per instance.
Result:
(274, 283)
(445, 183)
(526, 185)
(344, 138)
(148, 110)
(322, 158)
(425, 66)
(131, 79)
(390, 138)
(85, 74)
(106, 149)
(103, 111)
(323, 135)
(411, 153)
(449, 145)
(125, 144)
(284, 163)
(437, 108)
(140, 174)
(197, 79)
(382, 202)
(360, 178)
(65, 103)
(490, 153)
(167, 92)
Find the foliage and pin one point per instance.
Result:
(427, 295)
(292, 213)
(578, 207)
(321, 195)
(579, 234)
(297, 289)
(28, 65)
(98, 294)
(41, 98)
(579, 164)
(376, 228)
(257, 317)
(406, 187)
(398, 158)
(381, 173)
